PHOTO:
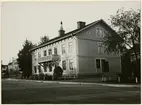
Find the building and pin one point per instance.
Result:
(13, 65)
(4, 67)
(4, 70)
(79, 52)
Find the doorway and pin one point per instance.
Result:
(105, 65)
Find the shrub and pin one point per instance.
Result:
(41, 76)
(57, 72)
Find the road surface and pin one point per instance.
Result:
(25, 92)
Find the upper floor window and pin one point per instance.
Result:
(50, 52)
(64, 65)
(70, 47)
(39, 54)
(99, 32)
(44, 53)
(55, 51)
(100, 47)
(34, 57)
(63, 49)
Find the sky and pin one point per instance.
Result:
(32, 20)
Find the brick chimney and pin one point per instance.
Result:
(80, 24)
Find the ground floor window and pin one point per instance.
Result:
(102, 64)
(50, 67)
(35, 69)
(98, 64)
(39, 68)
(64, 65)
(45, 67)
(71, 64)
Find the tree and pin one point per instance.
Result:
(44, 39)
(127, 25)
(25, 59)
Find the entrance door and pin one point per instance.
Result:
(105, 65)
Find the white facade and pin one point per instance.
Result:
(66, 52)
(78, 53)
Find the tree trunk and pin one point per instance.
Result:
(135, 53)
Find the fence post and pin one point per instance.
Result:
(136, 80)
(119, 79)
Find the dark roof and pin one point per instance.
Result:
(10, 63)
(69, 34)
(3, 66)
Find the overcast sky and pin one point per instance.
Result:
(31, 20)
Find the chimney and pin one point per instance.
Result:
(61, 31)
(80, 24)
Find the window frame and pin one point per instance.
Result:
(99, 32)
(63, 49)
(71, 62)
(50, 51)
(100, 47)
(39, 55)
(70, 47)
(35, 69)
(44, 53)
(99, 63)
(55, 51)
(64, 63)
(39, 68)
(45, 68)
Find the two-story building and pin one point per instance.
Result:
(79, 52)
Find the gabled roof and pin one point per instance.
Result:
(69, 34)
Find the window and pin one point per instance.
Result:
(50, 67)
(64, 65)
(98, 63)
(99, 32)
(100, 47)
(39, 55)
(71, 64)
(55, 51)
(70, 47)
(34, 57)
(35, 69)
(39, 69)
(63, 49)
(50, 52)
(45, 68)
(44, 53)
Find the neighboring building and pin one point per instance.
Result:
(13, 66)
(4, 67)
(4, 70)
(79, 52)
